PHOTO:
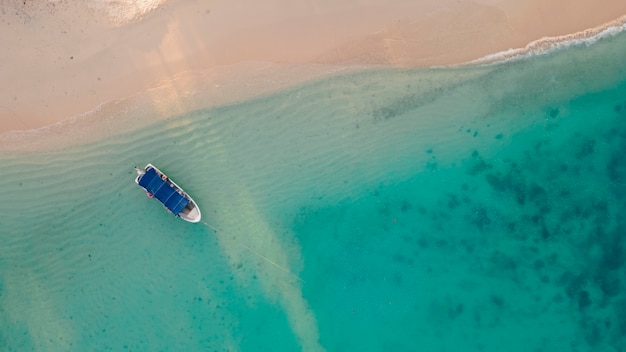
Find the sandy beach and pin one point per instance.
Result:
(64, 59)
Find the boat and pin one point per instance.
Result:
(160, 187)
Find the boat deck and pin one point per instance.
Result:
(159, 186)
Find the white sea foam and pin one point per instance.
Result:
(550, 44)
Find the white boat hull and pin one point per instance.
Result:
(191, 212)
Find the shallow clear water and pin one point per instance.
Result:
(474, 209)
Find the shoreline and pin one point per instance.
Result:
(164, 101)
(171, 72)
(548, 45)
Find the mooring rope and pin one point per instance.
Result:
(258, 254)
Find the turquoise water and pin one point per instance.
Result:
(464, 209)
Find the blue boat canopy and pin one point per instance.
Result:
(163, 191)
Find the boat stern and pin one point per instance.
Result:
(140, 172)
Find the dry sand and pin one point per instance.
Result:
(64, 58)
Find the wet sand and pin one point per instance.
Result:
(68, 59)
